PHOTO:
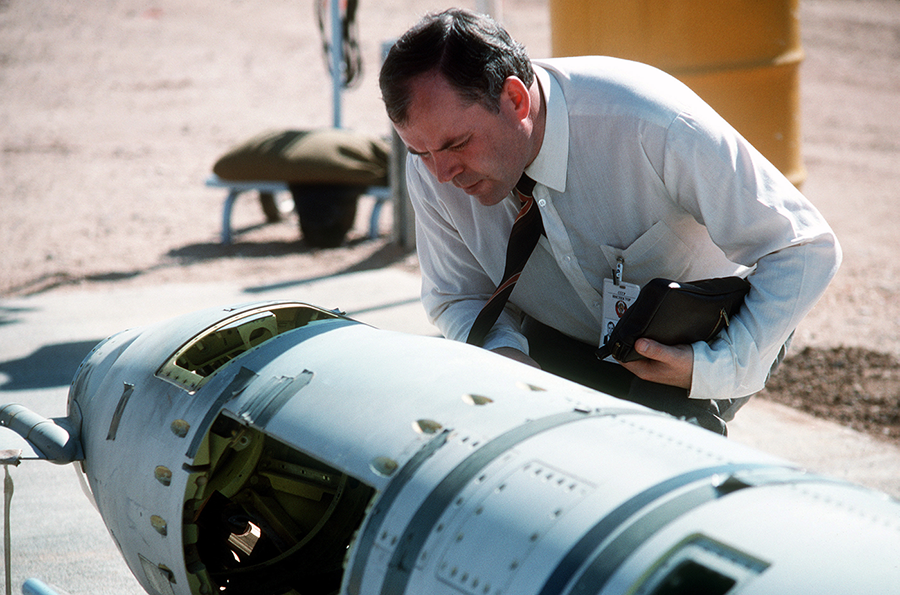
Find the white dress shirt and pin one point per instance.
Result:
(634, 165)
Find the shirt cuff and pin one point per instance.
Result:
(715, 376)
(500, 337)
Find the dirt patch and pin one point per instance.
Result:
(852, 386)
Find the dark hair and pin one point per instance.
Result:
(471, 51)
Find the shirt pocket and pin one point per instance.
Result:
(659, 252)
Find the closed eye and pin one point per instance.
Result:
(460, 145)
(450, 146)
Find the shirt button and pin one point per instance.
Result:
(542, 203)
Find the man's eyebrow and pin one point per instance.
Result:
(450, 143)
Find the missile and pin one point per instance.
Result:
(277, 447)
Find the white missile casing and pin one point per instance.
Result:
(277, 446)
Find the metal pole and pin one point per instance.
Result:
(7, 541)
(404, 232)
(337, 60)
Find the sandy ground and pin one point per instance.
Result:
(113, 112)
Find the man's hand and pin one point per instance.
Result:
(515, 354)
(672, 365)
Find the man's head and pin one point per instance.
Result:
(471, 51)
(463, 97)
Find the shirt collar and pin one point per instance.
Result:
(550, 165)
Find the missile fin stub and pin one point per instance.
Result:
(127, 391)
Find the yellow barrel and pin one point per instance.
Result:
(741, 56)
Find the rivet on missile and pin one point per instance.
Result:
(531, 387)
(163, 475)
(426, 426)
(383, 466)
(476, 399)
(159, 524)
(180, 428)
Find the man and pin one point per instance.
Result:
(631, 167)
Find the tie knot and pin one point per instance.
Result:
(525, 186)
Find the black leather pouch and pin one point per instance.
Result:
(675, 313)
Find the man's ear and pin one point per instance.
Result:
(516, 96)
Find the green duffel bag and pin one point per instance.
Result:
(324, 156)
(326, 170)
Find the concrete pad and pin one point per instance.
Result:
(818, 445)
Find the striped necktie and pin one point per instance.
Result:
(526, 230)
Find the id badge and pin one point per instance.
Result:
(617, 298)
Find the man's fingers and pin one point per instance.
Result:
(665, 364)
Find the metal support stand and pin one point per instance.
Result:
(7, 458)
(337, 62)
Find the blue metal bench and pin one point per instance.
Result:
(381, 194)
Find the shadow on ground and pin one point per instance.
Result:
(196, 254)
(49, 366)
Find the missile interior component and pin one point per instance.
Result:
(280, 448)
(263, 517)
(197, 360)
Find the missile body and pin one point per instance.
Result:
(276, 446)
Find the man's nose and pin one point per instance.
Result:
(446, 166)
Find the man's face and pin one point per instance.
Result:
(479, 151)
